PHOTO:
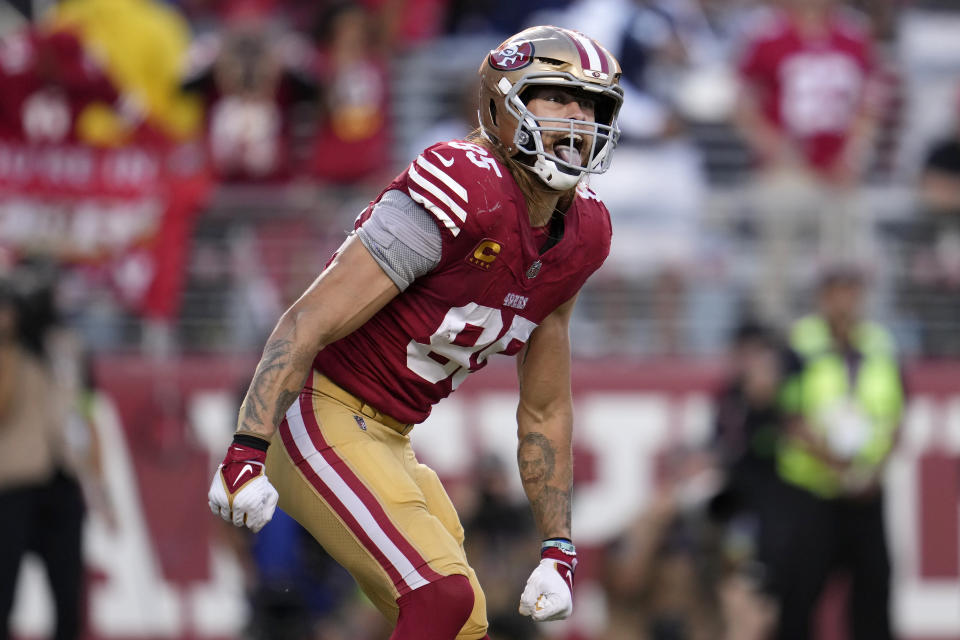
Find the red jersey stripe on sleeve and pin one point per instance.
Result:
(440, 196)
(455, 187)
(437, 210)
(438, 192)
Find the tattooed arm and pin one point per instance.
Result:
(346, 294)
(545, 423)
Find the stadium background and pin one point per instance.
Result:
(192, 187)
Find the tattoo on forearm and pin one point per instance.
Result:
(248, 411)
(552, 509)
(537, 458)
(286, 399)
(277, 357)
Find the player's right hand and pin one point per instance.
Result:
(240, 492)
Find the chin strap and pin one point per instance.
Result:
(548, 172)
(545, 169)
(553, 177)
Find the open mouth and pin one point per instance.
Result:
(568, 149)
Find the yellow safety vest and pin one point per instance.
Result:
(875, 389)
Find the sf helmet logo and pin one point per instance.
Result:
(512, 56)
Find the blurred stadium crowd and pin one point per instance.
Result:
(173, 174)
(259, 129)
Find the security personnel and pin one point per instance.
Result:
(843, 397)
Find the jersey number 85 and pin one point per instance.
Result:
(466, 337)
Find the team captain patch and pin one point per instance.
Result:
(484, 254)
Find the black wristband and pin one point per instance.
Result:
(559, 540)
(251, 441)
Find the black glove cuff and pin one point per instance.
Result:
(251, 441)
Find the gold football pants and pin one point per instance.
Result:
(348, 474)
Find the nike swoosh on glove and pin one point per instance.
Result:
(240, 492)
(549, 591)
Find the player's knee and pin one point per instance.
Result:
(475, 628)
(436, 611)
(456, 596)
(473, 635)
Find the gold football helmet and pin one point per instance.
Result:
(552, 56)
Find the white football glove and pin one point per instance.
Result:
(240, 492)
(549, 591)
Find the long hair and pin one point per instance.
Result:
(535, 193)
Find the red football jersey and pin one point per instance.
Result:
(488, 293)
(810, 87)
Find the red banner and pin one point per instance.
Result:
(122, 217)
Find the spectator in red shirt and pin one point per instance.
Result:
(807, 111)
(353, 142)
(251, 76)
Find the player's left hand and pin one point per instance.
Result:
(549, 591)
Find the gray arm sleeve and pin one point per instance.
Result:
(402, 237)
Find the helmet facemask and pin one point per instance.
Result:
(564, 170)
(548, 56)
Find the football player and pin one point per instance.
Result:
(479, 247)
